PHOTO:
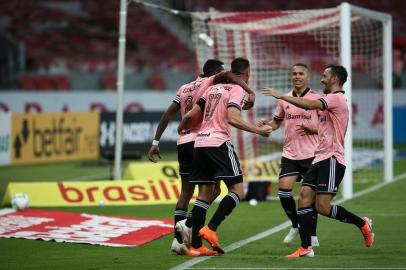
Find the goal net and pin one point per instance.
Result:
(273, 42)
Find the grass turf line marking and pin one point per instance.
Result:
(286, 268)
(280, 227)
(303, 268)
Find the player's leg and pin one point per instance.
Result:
(288, 176)
(324, 207)
(202, 175)
(227, 167)
(179, 243)
(331, 174)
(285, 187)
(185, 157)
(305, 213)
(304, 166)
(182, 230)
(227, 205)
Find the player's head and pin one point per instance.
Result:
(334, 77)
(241, 67)
(299, 76)
(212, 67)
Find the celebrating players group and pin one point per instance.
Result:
(313, 152)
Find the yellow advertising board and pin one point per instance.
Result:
(48, 137)
(91, 193)
(149, 170)
(260, 170)
(146, 184)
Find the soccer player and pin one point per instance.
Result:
(322, 180)
(215, 158)
(299, 144)
(186, 96)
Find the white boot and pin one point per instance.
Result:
(315, 241)
(291, 235)
(185, 231)
(177, 248)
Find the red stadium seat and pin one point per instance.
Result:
(44, 83)
(26, 83)
(61, 83)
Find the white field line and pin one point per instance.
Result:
(286, 268)
(280, 227)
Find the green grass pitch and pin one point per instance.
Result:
(341, 245)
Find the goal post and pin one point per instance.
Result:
(347, 11)
(357, 38)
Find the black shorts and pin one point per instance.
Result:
(295, 167)
(212, 164)
(325, 176)
(185, 158)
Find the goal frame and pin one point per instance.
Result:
(346, 14)
(346, 10)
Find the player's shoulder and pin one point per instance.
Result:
(229, 87)
(236, 89)
(337, 95)
(313, 94)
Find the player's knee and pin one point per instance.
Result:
(305, 199)
(237, 189)
(323, 208)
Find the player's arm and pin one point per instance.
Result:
(306, 130)
(274, 123)
(163, 123)
(229, 77)
(234, 119)
(191, 117)
(308, 104)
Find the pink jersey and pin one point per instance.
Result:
(215, 129)
(333, 122)
(186, 96)
(295, 146)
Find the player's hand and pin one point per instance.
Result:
(268, 91)
(154, 151)
(249, 103)
(265, 130)
(305, 130)
(183, 132)
(262, 122)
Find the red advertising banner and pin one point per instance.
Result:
(70, 227)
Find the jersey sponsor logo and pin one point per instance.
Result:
(203, 134)
(298, 116)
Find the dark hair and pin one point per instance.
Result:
(212, 67)
(300, 65)
(240, 65)
(340, 72)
